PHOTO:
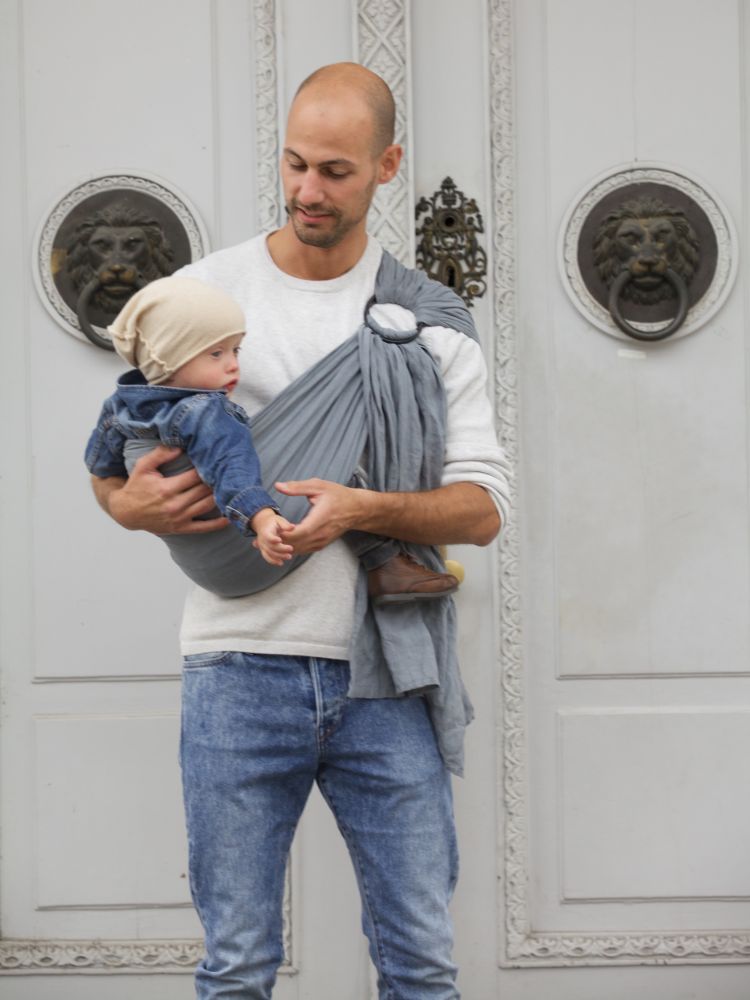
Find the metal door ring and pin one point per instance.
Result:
(618, 287)
(82, 306)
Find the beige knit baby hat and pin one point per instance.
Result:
(170, 321)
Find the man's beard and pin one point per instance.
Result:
(323, 238)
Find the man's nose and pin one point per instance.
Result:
(310, 190)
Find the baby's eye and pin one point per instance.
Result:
(216, 354)
(237, 351)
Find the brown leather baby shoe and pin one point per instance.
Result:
(402, 579)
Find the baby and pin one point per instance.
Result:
(183, 337)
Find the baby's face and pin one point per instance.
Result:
(217, 367)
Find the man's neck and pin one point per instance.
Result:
(310, 263)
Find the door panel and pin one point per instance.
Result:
(633, 553)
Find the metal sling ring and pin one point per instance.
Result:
(82, 307)
(389, 336)
(616, 290)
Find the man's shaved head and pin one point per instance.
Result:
(374, 91)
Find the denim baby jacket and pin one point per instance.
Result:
(206, 424)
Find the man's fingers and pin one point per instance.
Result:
(197, 500)
(180, 483)
(300, 487)
(199, 527)
(183, 481)
(187, 485)
(182, 509)
(153, 459)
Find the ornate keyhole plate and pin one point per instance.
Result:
(447, 245)
(105, 239)
(647, 252)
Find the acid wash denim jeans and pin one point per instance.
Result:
(257, 731)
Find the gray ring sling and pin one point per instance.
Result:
(379, 394)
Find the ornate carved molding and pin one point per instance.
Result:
(521, 945)
(37, 956)
(512, 797)
(631, 949)
(266, 114)
(383, 46)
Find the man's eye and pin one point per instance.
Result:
(296, 166)
(338, 176)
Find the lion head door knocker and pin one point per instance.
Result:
(105, 240)
(648, 253)
(447, 247)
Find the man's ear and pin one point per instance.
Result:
(390, 159)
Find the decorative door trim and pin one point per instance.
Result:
(382, 43)
(266, 114)
(520, 944)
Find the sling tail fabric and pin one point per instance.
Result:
(380, 393)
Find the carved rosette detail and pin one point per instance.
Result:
(382, 39)
(523, 946)
(266, 115)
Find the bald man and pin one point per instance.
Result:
(266, 678)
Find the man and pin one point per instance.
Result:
(265, 706)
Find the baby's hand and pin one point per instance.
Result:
(267, 525)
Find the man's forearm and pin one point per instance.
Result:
(460, 513)
(453, 514)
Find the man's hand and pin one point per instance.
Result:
(459, 513)
(163, 505)
(334, 510)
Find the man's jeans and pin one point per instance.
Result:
(257, 731)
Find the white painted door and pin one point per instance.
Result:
(602, 822)
(626, 822)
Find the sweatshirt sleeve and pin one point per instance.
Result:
(472, 453)
(220, 446)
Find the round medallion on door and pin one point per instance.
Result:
(647, 253)
(104, 240)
